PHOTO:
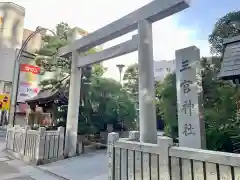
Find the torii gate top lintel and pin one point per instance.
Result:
(141, 20)
(154, 11)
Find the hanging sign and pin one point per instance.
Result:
(28, 82)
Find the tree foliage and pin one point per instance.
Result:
(220, 108)
(50, 62)
(219, 97)
(225, 27)
(102, 100)
(130, 81)
(166, 95)
(131, 84)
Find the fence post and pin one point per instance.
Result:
(130, 156)
(8, 137)
(61, 142)
(40, 144)
(13, 137)
(24, 137)
(17, 126)
(134, 136)
(112, 138)
(164, 167)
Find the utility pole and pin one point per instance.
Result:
(120, 68)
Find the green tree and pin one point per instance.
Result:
(50, 62)
(225, 27)
(130, 81)
(131, 84)
(219, 97)
(167, 97)
(110, 103)
(102, 99)
(219, 109)
(159, 111)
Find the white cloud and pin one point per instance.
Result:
(92, 14)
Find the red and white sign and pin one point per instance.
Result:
(29, 68)
(28, 82)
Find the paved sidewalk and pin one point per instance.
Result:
(12, 169)
(92, 166)
(3, 132)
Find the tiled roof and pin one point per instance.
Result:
(44, 94)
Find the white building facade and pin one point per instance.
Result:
(11, 34)
(163, 68)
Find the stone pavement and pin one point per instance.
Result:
(92, 166)
(2, 132)
(16, 170)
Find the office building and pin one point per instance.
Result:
(11, 34)
(163, 68)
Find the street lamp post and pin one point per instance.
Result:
(16, 74)
(120, 68)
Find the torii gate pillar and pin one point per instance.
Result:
(147, 107)
(70, 148)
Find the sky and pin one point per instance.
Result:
(189, 27)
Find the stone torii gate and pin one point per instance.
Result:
(142, 20)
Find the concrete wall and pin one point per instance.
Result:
(35, 43)
(8, 56)
(11, 34)
(12, 23)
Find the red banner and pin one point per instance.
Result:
(29, 68)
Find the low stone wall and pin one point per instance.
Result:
(122, 134)
(35, 146)
(130, 159)
(93, 146)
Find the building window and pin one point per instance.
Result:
(168, 69)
